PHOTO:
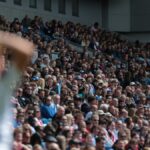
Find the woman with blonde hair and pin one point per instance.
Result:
(27, 133)
(71, 121)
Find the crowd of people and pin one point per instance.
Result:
(74, 100)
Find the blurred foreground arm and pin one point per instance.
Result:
(21, 51)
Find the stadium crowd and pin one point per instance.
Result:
(74, 100)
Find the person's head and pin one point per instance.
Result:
(71, 105)
(64, 121)
(142, 141)
(100, 143)
(70, 77)
(75, 143)
(27, 132)
(33, 85)
(132, 111)
(95, 130)
(82, 126)
(112, 126)
(94, 108)
(119, 145)
(37, 147)
(122, 135)
(95, 119)
(37, 113)
(51, 143)
(19, 92)
(89, 139)
(143, 98)
(60, 111)
(140, 110)
(122, 100)
(136, 136)
(119, 124)
(104, 107)
(133, 143)
(20, 110)
(56, 99)
(48, 100)
(123, 113)
(115, 102)
(49, 80)
(140, 122)
(18, 134)
(70, 119)
(89, 147)
(41, 93)
(77, 135)
(20, 118)
(77, 100)
(92, 100)
(74, 148)
(27, 128)
(79, 117)
(52, 146)
(30, 112)
(29, 90)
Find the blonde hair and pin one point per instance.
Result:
(41, 83)
(25, 127)
(69, 118)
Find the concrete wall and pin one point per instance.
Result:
(90, 11)
(142, 37)
(87, 15)
(119, 15)
(140, 15)
(104, 4)
(124, 16)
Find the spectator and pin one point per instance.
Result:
(48, 109)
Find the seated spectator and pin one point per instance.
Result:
(48, 109)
